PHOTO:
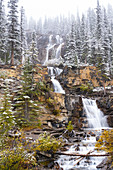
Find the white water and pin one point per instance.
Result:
(69, 162)
(50, 46)
(55, 72)
(97, 121)
(57, 87)
(57, 59)
(58, 51)
(95, 116)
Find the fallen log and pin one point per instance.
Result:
(82, 155)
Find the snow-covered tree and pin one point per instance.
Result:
(3, 33)
(32, 52)
(25, 107)
(13, 31)
(7, 118)
(22, 33)
(99, 21)
(70, 56)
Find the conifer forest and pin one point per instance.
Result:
(56, 89)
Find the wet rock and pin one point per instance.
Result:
(77, 148)
(92, 133)
(103, 164)
(97, 138)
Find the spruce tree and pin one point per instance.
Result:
(22, 34)
(70, 56)
(13, 32)
(99, 21)
(7, 118)
(3, 33)
(25, 107)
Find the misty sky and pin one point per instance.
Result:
(52, 8)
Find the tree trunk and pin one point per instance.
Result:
(82, 155)
(12, 54)
(26, 110)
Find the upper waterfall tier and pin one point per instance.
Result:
(53, 51)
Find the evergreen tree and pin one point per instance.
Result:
(70, 56)
(25, 108)
(7, 118)
(94, 46)
(22, 33)
(3, 33)
(84, 43)
(33, 51)
(106, 43)
(99, 21)
(91, 19)
(13, 30)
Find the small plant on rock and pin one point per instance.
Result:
(86, 88)
(70, 126)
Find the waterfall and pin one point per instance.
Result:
(96, 120)
(50, 46)
(55, 72)
(56, 58)
(58, 51)
(57, 87)
(95, 116)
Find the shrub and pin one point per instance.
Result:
(106, 142)
(17, 158)
(47, 143)
(86, 88)
(70, 126)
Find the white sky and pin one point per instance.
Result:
(51, 8)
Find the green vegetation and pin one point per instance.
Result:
(70, 126)
(26, 108)
(3, 74)
(105, 143)
(47, 143)
(17, 158)
(52, 105)
(86, 88)
(7, 118)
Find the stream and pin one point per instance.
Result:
(97, 122)
(95, 118)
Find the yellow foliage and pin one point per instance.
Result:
(106, 142)
(47, 143)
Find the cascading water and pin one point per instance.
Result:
(95, 116)
(55, 72)
(58, 52)
(56, 58)
(96, 120)
(50, 46)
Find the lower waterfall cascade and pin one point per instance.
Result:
(97, 121)
(95, 116)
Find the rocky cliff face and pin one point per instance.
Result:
(85, 81)
(66, 106)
